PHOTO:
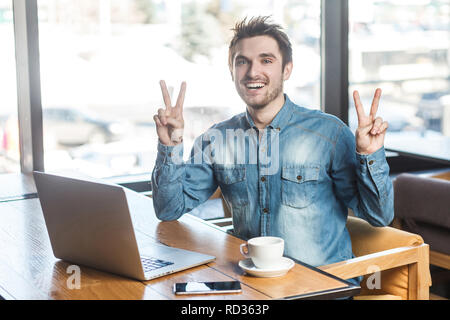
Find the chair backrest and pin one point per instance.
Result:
(422, 205)
(367, 239)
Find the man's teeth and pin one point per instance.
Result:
(255, 85)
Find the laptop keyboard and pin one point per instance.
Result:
(150, 264)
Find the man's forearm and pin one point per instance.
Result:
(179, 187)
(362, 182)
(375, 189)
(167, 187)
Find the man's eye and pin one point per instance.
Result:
(267, 61)
(239, 62)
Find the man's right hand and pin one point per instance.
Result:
(169, 121)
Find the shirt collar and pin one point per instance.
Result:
(281, 119)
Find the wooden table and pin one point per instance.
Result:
(28, 269)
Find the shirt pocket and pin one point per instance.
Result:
(232, 182)
(299, 185)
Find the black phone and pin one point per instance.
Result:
(207, 287)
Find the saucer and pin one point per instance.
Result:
(286, 264)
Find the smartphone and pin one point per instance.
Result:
(207, 287)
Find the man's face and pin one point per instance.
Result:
(257, 71)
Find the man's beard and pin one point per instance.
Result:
(269, 97)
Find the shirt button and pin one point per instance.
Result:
(170, 154)
(371, 162)
(361, 161)
(278, 129)
(265, 210)
(299, 177)
(263, 179)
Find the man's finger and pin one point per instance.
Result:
(376, 125)
(358, 105)
(384, 126)
(180, 100)
(364, 130)
(157, 121)
(162, 116)
(174, 122)
(375, 102)
(165, 93)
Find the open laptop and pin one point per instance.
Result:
(89, 223)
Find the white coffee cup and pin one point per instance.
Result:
(265, 252)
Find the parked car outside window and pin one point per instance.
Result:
(70, 126)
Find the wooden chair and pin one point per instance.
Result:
(400, 257)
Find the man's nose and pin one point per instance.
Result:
(253, 70)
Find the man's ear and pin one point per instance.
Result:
(287, 70)
(232, 76)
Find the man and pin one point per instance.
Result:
(317, 169)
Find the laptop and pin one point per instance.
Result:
(89, 223)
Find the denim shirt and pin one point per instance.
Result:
(295, 179)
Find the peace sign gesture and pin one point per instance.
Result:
(169, 121)
(371, 129)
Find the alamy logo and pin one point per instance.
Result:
(374, 281)
(236, 147)
(74, 281)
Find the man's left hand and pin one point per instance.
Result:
(371, 129)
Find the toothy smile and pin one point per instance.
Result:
(255, 85)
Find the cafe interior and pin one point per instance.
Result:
(80, 84)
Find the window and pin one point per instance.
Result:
(101, 62)
(403, 48)
(9, 132)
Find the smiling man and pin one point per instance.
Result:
(318, 168)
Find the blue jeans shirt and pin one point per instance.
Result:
(295, 179)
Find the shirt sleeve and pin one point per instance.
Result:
(362, 182)
(178, 186)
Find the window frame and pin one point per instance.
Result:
(334, 58)
(26, 37)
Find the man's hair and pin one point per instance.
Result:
(259, 26)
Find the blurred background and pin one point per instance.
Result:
(101, 62)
